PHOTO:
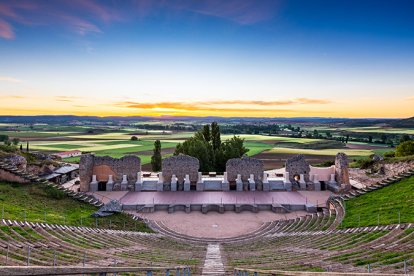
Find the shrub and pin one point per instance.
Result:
(365, 163)
(389, 154)
(134, 138)
(405, 149)
(326, 164)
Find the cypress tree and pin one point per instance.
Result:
(156, 158)
(206, 133)
(215, 136)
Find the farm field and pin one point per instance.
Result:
(369, 129)
(116, 142)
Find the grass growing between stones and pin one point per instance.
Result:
(388, 205)
(36, 203)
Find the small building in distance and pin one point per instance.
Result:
(67, 154)
(63, 174)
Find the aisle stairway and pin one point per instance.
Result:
(213, 265)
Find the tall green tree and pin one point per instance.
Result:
(206, 133)
(198, 148)
(215, 136)
(156, 158)
(212, 154)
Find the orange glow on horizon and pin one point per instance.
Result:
(362, 108)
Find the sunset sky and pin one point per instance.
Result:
(263, 58)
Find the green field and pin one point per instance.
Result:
(327, 152)
(116, 142)
(386, 203)
(38, 203)
(369, 129)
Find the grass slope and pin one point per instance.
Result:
(35, 200)
(386, 202)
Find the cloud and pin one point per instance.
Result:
(410, 98)
(81, 16)
(89, 16)
(67, 98)
(80, 26)
(221, 106)
(14, 97)
(269, 103)
(6, 30)
(9, 79)
(242, 12)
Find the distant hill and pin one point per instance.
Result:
(59, 119)
(403, 123)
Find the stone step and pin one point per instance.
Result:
(213, 264)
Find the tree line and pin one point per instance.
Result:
(207, 147)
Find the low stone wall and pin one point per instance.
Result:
(244, 166)
(324, 174)
(180, 165)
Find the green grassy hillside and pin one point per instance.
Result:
(387, 203)
(39, 203)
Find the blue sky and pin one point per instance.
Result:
(229, 58)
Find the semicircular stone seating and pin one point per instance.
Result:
(309, 243)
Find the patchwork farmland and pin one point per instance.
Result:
(116, 142)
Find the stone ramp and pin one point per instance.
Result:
(213, 264)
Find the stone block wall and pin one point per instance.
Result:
(180, 165)
(103, 166)
(297, 165)
(244, 166)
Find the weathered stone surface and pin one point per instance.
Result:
(296, 166)
(244, 166)
(377, 158)
(180, 165)
(114, 206)
(103, 166)
(341, 168)
(18, 161)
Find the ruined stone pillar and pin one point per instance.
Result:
(287, 183)
(332, 180)
(341, 170)
(138, 184)
(124, 183)
(187, 183)
(174, 183)
(200, 184)
(160, 184)
(239, 183)
(225, 185)
(93, 186)
(266, 184)
(252, 183)
(110, 183)
(316, 183)
(302, 182)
